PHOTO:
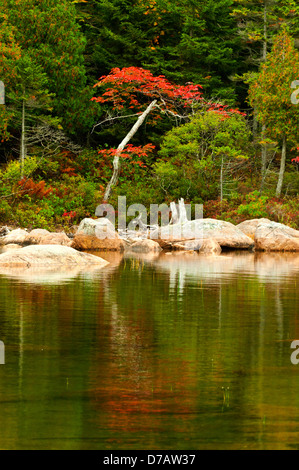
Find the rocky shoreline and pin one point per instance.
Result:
(207, 236)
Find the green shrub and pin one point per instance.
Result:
(12, 171)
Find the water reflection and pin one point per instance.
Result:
(268, 266)
(58, 274)
(152, 352)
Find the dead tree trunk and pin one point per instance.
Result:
(282, 167)
(221, 181)
(264, 128)
(264, 159)
(178, 213)
(120, 148)
(23, 141)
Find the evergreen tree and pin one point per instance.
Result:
(118, 32)
(186, 40)
(29, 91)
(260, 20)
(48, 32)
(197, 41)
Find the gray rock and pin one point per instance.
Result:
(4, 231)
(272, 236)
(56, 238)
(98, 234)
(17, 236)
(101, 228)
(206, 246)
(48, 255)
(10, 246)
(249, 226)
(145, 246)
(35, 236)
(224, 233)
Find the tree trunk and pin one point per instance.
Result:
(282, 167)
(174, 213)
(221, 181)
(264, 129)
(2, 93)
(182, 211)
(264, 159)
(265, 41)
(178, 213)
(23, 141)
(116, 162)
(255, 125)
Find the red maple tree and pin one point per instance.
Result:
(125, 87)
(138, 89)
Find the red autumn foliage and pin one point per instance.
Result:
(69, 171)
(130, 152)
(35, 190)
(129, 86)
(70, 215)
(129, 83)
(296, 159)
(223, 110)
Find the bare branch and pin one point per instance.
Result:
(113, 118)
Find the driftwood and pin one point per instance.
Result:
(178, 216)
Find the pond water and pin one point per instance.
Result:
(152, 352)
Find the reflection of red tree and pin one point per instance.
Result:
(140, 389)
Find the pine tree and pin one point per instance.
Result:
(185, 40)
(260, 20)
(200, 44)
(29, 92)
(48, 32)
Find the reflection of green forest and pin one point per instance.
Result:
(136, 357)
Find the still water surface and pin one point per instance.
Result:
(153, 352)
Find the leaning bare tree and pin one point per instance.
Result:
(137, 88)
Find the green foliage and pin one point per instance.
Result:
(184, 40)
(260, 21)
(270, 90)
(255, 206)
(31, 218)
(34, 203)
(194, 153)
(206, 136)
(50, 62)
(252, 206)
(10, 53)
(5, 211)
(200, 46)
(47, 32)
(146, 192)
(166, 175)
(12, 172)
